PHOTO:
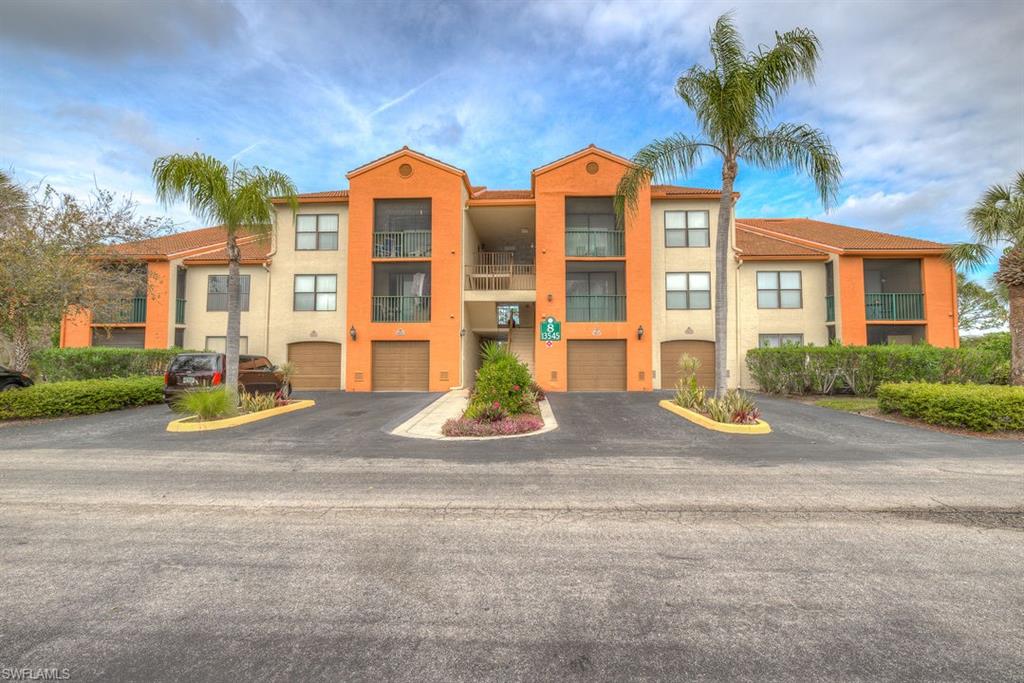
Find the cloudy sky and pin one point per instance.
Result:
(924, 100)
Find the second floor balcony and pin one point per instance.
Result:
(595, 308)
(401, 309)
(401, 244)
(401, 293)
(894, 306)
(126, 311)
(500, 277)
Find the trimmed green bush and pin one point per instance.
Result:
(980, 408)
(861, 369)
(80, 398)
(98, 362)
(505, 382)
(993, 341)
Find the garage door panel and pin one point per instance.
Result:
(597, 365)
(401, 365)
(317, 365)
(672, 351)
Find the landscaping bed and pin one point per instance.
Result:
(734, 412)
(85, 397)
(977, 408)
(504, 402)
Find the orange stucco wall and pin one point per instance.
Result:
(76, 329)
(938, 280)
(158, 304)
(552, 187)
(445, 190)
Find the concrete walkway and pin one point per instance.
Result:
(428, 423)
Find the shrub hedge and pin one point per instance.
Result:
(861, 369)
(504, 381)
(980, 408)
(98, 362)
(80, 397)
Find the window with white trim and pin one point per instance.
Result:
(316, 232)
(688, 291)
(772, 341)
(217, 292)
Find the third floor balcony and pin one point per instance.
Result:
(402, 228)
(592, 229)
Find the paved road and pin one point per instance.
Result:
(579, 555)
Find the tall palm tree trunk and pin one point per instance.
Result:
(21, 347)
(722, 242)
(1016, 334)
(234, 316)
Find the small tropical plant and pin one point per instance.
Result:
(492, 351)
(254, 403)
(733, 101)
(689, 394)
(206, 404)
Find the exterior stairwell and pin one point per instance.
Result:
(520, 342)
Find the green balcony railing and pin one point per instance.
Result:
(127, 311)
(179, 311)
(401, 244)
(401, 309)
(598, 308)
(894, 306)
(595, 243)
(830, 309)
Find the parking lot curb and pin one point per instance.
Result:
(188, 424)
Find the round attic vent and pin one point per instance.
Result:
(592, 167)
(405, 170)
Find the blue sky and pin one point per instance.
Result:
(924, 101)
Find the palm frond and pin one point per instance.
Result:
(663, 159)
(969, 255)
(727, 45)
(199, 180)
(774, 70)
(801, 147)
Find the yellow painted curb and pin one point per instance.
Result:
(761, 427)
(187, 424)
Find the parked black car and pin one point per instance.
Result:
(256, 374)
(11, 379)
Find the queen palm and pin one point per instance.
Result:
(998, 219)
(235, 197)
(733, 101)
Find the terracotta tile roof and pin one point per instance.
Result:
(484, 193)
(172, 244)
(324, 196)
(252, 252)
(667, 191)
(752, 245)
(839, 237)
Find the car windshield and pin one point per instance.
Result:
(204, 363)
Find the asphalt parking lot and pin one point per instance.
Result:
(625, 545)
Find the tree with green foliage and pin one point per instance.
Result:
(733, 101)
(55, 258)
(979, 307)
(235, 197)
(998, 219)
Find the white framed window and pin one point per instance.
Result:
(687, 229)
(220, 344)
(688, 290)
(772, 341)
(217, 292)
(779, 289)
(316, 232)
(316, 292)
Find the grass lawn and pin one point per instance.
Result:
(850, 404)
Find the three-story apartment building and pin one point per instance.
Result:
(394, 283)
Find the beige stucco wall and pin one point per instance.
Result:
(753, 321)
(685, 324)
(200, 323)
(285, 325)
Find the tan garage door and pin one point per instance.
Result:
(401, 365)
(317, 365)
(704, 351)
(597, 365)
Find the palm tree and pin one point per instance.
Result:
(998, 219)
(235, 197)
(733, 101)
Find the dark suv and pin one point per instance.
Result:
(256, 374)
(12, 379)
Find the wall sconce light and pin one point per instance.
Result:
(640, 332)
(352, 332)
(550, 297)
